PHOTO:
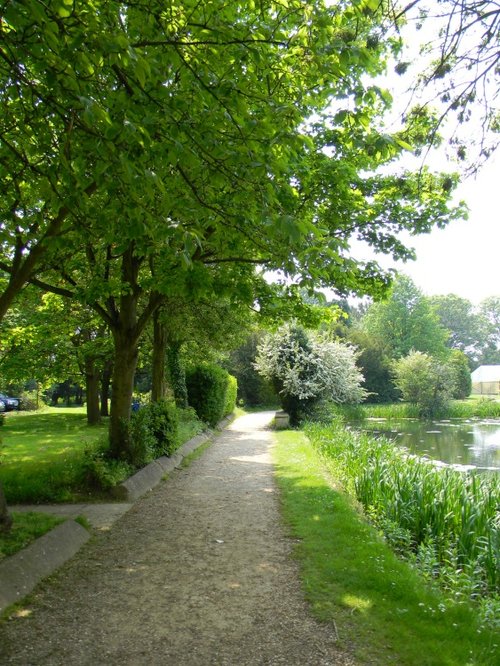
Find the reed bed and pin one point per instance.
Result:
(473, 408)
(445, 521)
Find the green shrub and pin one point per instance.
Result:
(151, 432)
(164, 426)
(140, 442)
(189, 424)
(231, 394)
(425, 382)
(104, 473)
(29, 401)
(207, 388)
(462, 381)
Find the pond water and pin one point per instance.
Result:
(467, 443)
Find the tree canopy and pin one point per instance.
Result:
(180, 131)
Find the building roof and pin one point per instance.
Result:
(486, 373)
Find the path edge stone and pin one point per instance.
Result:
(149, 476)
(21, 572)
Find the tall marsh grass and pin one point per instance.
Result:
(446, 522)
(461, 409)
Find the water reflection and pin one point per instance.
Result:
(455, 442)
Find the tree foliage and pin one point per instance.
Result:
(375, 363)
(465, 328)
(151, 150)
(489, 310)
(183, 127)
(460, 368)
(253, 389)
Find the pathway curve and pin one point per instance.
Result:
(198, 572)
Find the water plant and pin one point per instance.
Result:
(445, 521)
(482, 407)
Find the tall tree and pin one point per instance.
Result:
(406, 322)
(141, 144)
(375, 362)
(465, 326)
(490, 311)
(49, 339)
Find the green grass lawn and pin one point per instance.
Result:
(382, 610)
(26, 527)
(43, 452)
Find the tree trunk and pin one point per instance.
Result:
(126, 333)
(92, 391)
(5, 517)
(126, 327)
(126, 352)
(159, 382)
(177, 374)
(105, 384)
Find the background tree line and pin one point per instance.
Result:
(445, 332)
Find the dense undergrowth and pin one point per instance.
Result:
(445, 522)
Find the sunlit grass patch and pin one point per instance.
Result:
(43, 454)
(50, 456)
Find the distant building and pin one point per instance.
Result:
(486, 380)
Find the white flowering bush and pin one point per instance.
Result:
(306, 369)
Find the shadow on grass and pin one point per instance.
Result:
(43, 456)
(383, 610)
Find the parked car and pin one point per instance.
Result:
(2, 406)
(9, 402)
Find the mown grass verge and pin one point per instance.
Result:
(384, 612)
(26, 527)
(43, 455)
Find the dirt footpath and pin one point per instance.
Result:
(196, 573)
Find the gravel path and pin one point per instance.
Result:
(196, 573)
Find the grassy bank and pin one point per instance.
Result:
(445, 521)
(45, 455)
(382, 610)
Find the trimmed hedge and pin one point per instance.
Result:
(211, 391)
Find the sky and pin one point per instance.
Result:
(463, 258)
